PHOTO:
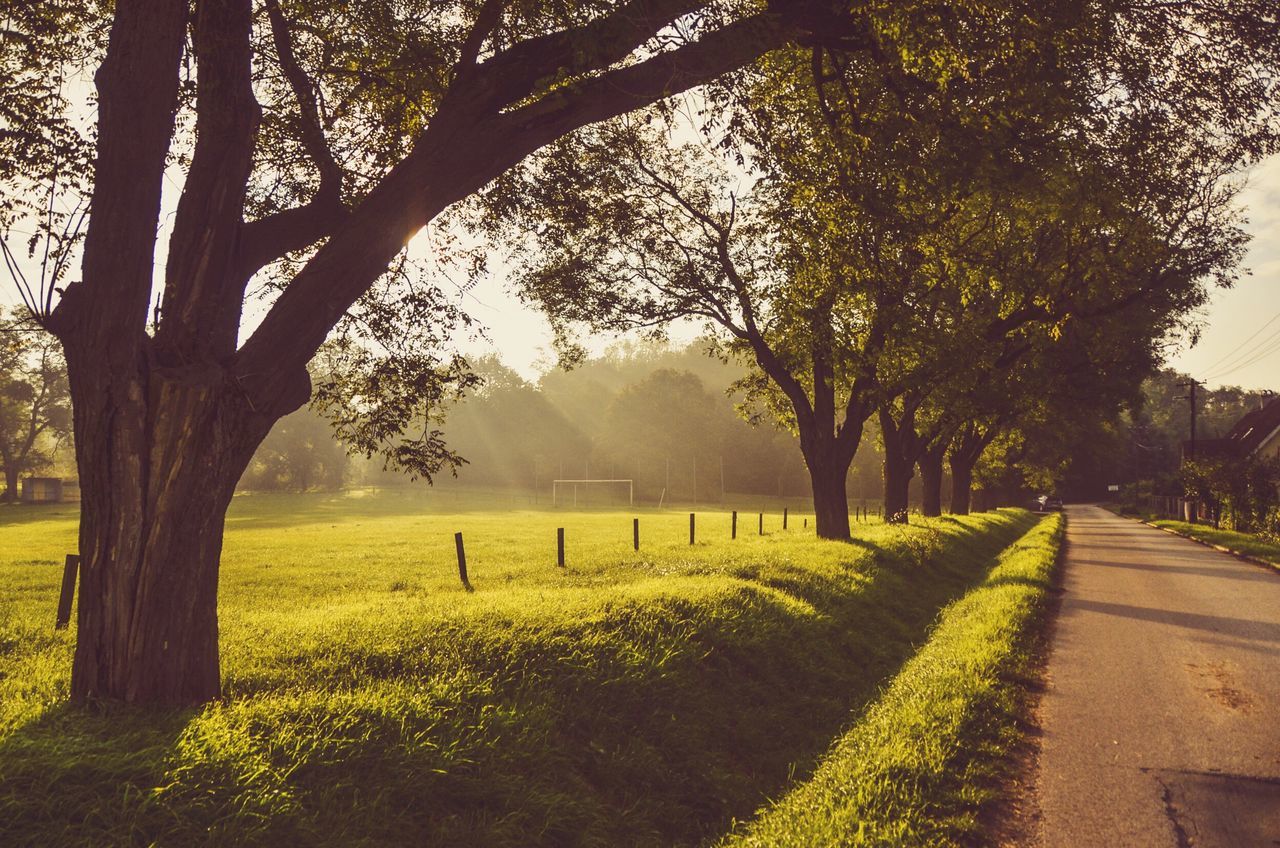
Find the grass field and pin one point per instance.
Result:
(924, 763)
(631, 698)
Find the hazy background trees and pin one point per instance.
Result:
(666, 416)
(35, 405)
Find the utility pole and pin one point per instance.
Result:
(1191, 396)
(1191, 509)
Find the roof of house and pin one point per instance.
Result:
(1249, 433)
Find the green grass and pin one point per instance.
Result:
(630, 699)
(924, 761)
(1245, 543)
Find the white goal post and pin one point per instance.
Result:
(556, 484)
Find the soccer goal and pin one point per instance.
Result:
(556, 485)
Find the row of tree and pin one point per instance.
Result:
(952, 257)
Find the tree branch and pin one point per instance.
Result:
(200, 312)
(268, 239)
(459, 152)
(515, 73)
(625, 89)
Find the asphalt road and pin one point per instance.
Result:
(1161, 714)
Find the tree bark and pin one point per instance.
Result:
(830, 499)
(967, 447)
(155, 486)
(901, 450)
(930, 463)
(961, 486)
(10, 484)
(897, 483)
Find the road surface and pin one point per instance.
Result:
(1161, 714)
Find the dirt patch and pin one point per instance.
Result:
(1217, 682)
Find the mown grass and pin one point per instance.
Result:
(922, 764)
(1245, 543)
(629, 699)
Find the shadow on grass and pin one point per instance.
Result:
(84, 777)
(650, 723)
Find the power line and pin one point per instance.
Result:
(1260, 354)
(1252, 351)
(1238, 347)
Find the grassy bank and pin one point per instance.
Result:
(920, 766)
(1244, 543)
(633, 698)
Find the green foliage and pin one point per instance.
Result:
(44, 147)
(1244, 491)
(370, 700)
(923, 763)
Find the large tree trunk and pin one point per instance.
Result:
(10, 484)
(930, 463)
(830, 500)
(897, 484)
(961, 486)
(156, 480)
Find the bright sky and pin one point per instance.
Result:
(1240, 345)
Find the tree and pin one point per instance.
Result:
(316, 139)
(34, 404)
(892, 234)
(668, 421)
(635, 233)
(1244, 490)
(300, 454)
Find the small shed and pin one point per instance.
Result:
(38, 490)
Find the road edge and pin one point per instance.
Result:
(1014, 819)
(1249, 558)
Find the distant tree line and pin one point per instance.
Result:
(35, 404)
(666, 417)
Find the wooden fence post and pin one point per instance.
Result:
(560, 546)
(462, 562)
(691, 528)
(784, 518)
(762, 524)
(70, 570)
(733, 532)
(635, 533)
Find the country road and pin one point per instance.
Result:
(1161, 714)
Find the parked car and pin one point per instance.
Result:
(1054, 503)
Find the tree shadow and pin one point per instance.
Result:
(85, 775)
(1240, 628)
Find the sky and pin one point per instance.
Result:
(1240, 343)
